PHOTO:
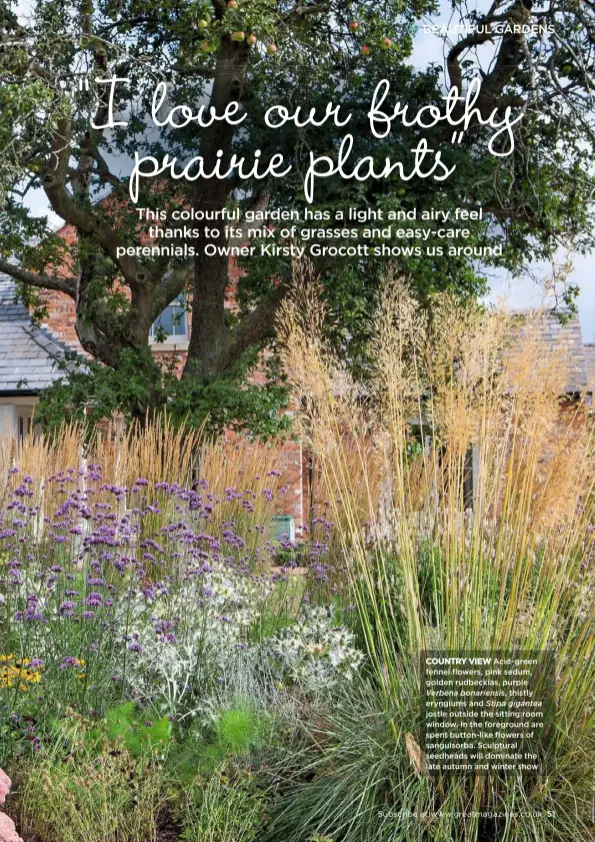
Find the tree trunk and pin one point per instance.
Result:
(209, 336)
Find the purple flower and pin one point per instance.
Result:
(70, 663)
(7, 533)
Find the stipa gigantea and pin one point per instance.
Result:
(503, 563)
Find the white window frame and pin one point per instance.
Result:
(16, 418)
(173, 340)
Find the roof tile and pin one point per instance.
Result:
(28, 355)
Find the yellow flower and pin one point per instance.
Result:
(17, 673)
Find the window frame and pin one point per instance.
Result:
(178, 340)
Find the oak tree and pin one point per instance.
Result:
(534, 57)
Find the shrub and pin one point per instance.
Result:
(238, 730)
(140, 734)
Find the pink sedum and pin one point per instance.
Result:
(5, 785)
(8, 831)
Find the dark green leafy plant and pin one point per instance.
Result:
(91, 391)
(141, 735)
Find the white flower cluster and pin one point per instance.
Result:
(315, 652)
(210, 615)
(161, 672)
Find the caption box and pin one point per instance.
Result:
(488, 711)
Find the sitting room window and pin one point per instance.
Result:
(25, 424)
(171, 326)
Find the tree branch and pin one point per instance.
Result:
(508, 57)
(219, 7)
(169, 289)
(257, 325)
(32, 279)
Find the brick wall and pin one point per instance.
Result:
(61, 312)
(61, 317)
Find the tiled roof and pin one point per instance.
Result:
(28, 354)
(563, 336)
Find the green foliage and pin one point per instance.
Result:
(223, 809)
(238, 730)
(529, 201)
(140, 734)
(105, 797)
(351, 775)
(237, 734)
(93, 391)
(231, 402)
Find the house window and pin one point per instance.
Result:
(171, 326)
(25, 427)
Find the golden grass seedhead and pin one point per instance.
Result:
(463, 411)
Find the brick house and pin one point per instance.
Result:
(28, 363)
(28, 357)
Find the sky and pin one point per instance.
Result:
(513, 292)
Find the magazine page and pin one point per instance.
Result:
(297, 355)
